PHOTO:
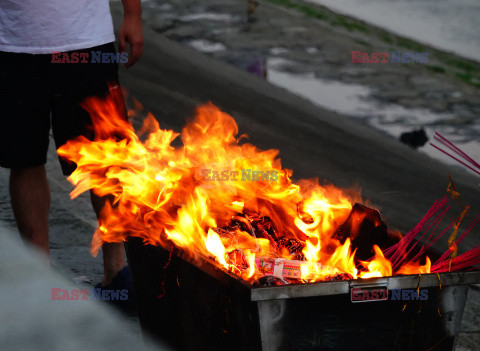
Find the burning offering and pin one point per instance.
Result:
(221, 197)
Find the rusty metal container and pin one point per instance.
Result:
(201, 307)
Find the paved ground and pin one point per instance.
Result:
(171, 80)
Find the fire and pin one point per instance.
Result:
(215, 247)
(414, 268)
(379, 266)
(218, 196)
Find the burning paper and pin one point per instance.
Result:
(293, 269)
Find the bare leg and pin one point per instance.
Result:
(113, 253)
(30, 197)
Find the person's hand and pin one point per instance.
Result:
(131, 32)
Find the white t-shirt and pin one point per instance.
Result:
(46, 26)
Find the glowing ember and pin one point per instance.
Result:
(220, 198)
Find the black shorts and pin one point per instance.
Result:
(37, 94)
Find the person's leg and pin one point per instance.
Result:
(30, 198)
(74, 83)
(24, 137)
(113, 253)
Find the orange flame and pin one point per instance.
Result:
(378, 267)
(415, 268)
(184, 194)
